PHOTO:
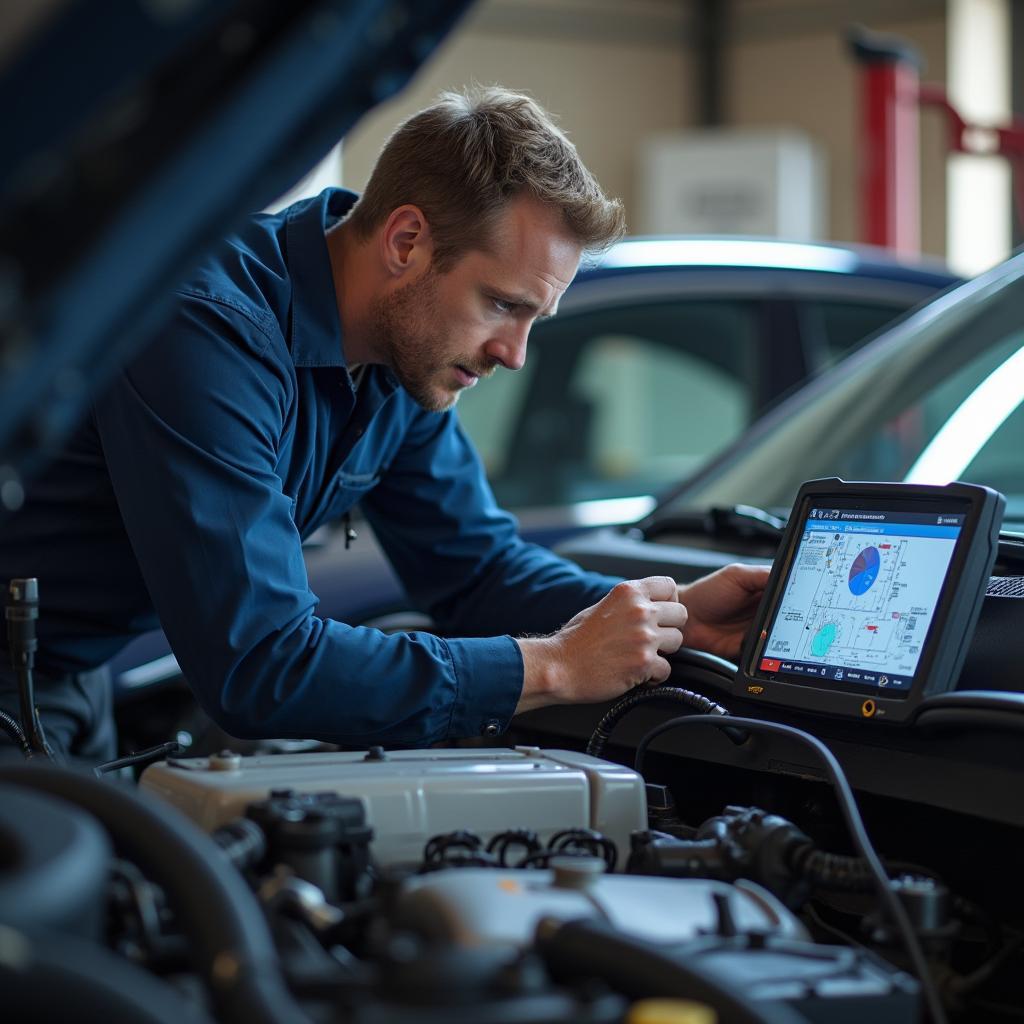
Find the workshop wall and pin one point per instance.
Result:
(789, 65)
(618, 71)
(613, 73)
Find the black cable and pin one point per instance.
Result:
(10, 725)
(645, 695)
(222, 921)
(147, 756)
(44, 743)
(21, 612)
(26, 701)
(851, 815)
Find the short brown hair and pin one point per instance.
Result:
(462, 160)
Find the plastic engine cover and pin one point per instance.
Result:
(411, 796)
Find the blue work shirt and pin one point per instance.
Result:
(184, 498)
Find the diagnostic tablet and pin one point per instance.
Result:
(873, 597)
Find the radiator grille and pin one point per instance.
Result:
(1005, 586)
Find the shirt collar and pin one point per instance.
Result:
(315, 327)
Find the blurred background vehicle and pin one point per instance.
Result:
(938, 397)
(666, 350)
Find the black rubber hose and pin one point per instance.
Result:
(835, 871)
(242, 841)
(645, 695)
(840, 871)
(50, 976)
(220, 917)
(592, 949)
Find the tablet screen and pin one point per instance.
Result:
(860, 597)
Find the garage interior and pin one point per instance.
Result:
(521, 624)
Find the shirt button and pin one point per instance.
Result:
(491, 727)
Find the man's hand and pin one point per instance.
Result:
(608, 648)
(616, 644)
(721, 606)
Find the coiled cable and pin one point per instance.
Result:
(12, 727)
(664, 694)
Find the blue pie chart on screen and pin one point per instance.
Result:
(864, 571)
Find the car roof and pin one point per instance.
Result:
(652, 252)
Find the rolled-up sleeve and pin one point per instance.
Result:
(191, 435)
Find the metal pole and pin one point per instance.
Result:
(889, 143)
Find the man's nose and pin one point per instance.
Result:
(509, 347)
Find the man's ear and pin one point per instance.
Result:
(406, 243)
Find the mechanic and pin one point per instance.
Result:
(311, 363)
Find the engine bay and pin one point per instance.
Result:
(506, 884)
(691, 852)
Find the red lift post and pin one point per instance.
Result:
(890, 152)
(891, 95)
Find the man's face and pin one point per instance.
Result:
(440, 333)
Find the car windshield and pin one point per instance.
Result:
(938, 398)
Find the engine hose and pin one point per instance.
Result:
(243, 842)
(835, 871)
(12, 727)
(222, 921)
(52, 976)
(593, 949)
(666, 694)
(838, 871)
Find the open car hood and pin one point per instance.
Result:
(136, 134)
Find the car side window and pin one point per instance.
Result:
(658, 412)
(617, 403)
(835, 328)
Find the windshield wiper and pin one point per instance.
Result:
(744, 521)
(1011, 547)
(749, 520)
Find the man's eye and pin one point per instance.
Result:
(502, 305)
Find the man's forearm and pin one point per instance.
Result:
(543, 673)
